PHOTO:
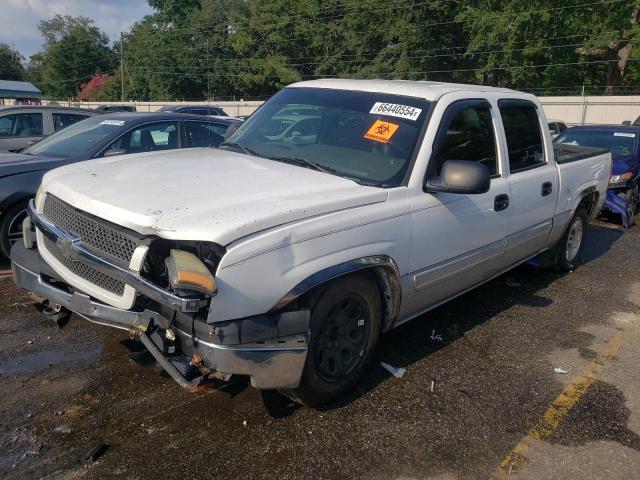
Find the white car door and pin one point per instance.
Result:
(458, 239)
(533, 178)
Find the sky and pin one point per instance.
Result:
(19, 18)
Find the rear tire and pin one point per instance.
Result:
(11, 226)
(345, 326)
(568, 251)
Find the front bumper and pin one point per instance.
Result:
(614, 203)
(272, 364)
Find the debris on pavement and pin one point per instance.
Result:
(560, 370)
(436, 337)
(397, 372)
(95, 453)
(510, 282)
(433, 384)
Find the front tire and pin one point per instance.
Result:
(11, 226)
(569, 249)
(345, 326)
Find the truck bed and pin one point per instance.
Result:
(572, 153)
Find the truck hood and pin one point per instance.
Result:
(12, 163)
(203, 194)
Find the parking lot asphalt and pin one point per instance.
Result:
(485, 402)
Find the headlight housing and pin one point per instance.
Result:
(187, 272)
(186, 267)
(620, 180)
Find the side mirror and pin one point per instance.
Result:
(114, 151)
(627, 123)
(460, 176)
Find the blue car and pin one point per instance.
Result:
(622, 142)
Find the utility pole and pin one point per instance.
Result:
(122, 66)
(208, 91)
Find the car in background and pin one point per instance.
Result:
(117, 108)
(196, 110)
(556, 127)
(622, 142)
(96, 137)
(21, 126)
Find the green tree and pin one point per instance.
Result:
(10, 63)
(551, 48)
(74, 50)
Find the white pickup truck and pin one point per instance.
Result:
(338, 211)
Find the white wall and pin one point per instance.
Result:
(232, 108)
(572, 110)
(592, 110)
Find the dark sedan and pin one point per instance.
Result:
(96, 137)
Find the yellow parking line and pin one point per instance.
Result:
(563, 403)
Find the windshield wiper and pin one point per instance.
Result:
(244, 149)
(303, 162)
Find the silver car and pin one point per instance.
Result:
(21, 126)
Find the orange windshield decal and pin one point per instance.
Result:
(381, 131)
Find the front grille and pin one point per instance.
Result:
(84, 271)
(94, 233)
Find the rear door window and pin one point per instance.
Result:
(523, 133)
(63, 120)
(21, 125)
(467, 133)
(204, 134)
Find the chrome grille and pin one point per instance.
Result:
(84, 271)
(93, 233)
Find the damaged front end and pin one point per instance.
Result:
(159, 294)
(618, 205)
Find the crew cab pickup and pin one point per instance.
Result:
(340, 210)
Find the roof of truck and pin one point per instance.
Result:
(421, 89)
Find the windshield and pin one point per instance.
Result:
(76, 139)
(367, 137)
(618, 143)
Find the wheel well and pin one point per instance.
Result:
(589, 201)
(387, 282)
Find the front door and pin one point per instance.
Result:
(458, 239)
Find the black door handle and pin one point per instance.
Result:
(547, 188)
(501, 202)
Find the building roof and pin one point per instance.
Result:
(14, 89)
(421, 89)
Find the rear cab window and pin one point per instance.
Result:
(523, 134)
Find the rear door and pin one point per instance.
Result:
(533, 178)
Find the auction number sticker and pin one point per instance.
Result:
(381, 131)
(117, 123)
(624, 134)
(395, 110)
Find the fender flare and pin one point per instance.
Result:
(591, 190)
(387, 277)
